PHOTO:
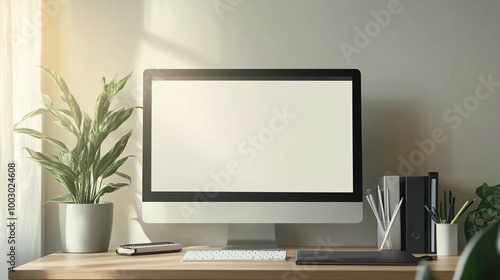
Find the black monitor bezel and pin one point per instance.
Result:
(151, 75)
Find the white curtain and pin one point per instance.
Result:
(20, 48)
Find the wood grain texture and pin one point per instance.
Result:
(168, 266)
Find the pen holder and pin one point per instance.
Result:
(447, 239)
(393, 239)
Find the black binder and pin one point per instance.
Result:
(413, 229)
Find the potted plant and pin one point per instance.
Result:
(486, 213)
(85, 168)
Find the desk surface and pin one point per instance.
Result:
(168, 266)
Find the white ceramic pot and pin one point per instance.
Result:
(85, 228)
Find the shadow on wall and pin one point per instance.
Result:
(400, 137)
(153, 48)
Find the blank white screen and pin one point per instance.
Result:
(252, 136)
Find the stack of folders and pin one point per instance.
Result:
(413, 230)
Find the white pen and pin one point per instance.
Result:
(387, 207)
(370, 198)
(381, 224)
(386, 203)
(396, 210)
(382, 210)
(370, 202)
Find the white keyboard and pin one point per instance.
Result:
(233, 255)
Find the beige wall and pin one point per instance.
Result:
(421, 63)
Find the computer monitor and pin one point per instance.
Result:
(252, 147)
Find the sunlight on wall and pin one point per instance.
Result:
(425, 60)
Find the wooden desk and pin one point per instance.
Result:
(168, 266)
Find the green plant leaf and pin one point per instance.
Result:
(80, 168)
(51, 163)
(487, 211)
(31, 115)
(110, 123)
(122, 82)
(60, 116)
(101, 106)
(109, 188)
(59, 171)
(115, 119)
(66, 96)
(111, 169)
(104, 99)
(39, 135)
(58, 80)
(62, 198)
(481, 257)
(108, 161)
(123, 175)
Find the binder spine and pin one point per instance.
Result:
(418, 231)
(415, 197)
(432, 203)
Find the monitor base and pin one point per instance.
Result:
(251, 237)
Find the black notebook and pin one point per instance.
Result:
(355, 257)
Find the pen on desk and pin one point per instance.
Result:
(396, 210)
